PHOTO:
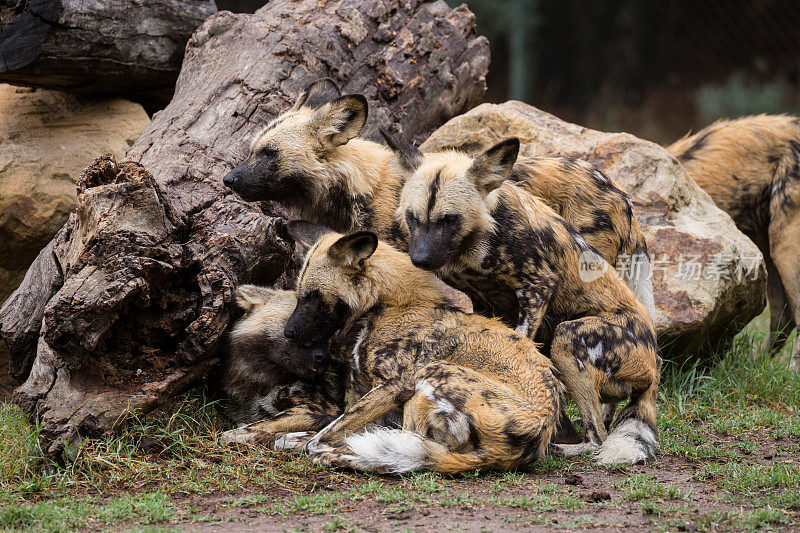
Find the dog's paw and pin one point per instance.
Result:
(237, 436)
(293, 442)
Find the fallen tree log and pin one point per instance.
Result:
(129, 302)
(117, 47)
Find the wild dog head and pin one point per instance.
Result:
(444, 205)
(258, 335)
(332, 284)
(288, 159)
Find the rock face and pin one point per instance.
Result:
(708, 278)
(46, 139)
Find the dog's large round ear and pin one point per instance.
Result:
(340, 120)
(317, 94)
(305, 233)
(491, 168)
(353, 249)
(407, 154)
(249, 296)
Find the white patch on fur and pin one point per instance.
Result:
(457, 421)
(359, 340)
(293, 442)
(458, 426)
(600, 176)
(596, 352)
(581, 242)
(266, 405)
(640, 280)
(427, 389)
(387, 450)
(522, 329)
(632, 442)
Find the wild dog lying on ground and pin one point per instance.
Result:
(486, 236)
(473, 394)
(310, 160)
(751, 169)
(274, 384)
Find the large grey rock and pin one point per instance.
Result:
(685, 231)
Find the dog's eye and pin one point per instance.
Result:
(268, 151)
(450, 218)
(411, 218)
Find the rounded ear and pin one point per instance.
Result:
(491, 168)
(249, 296)
(352, 250)
(407, 154)
(340, 120)
(305, 233)
(317, 94)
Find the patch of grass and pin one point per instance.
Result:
(742, 521)
(337, 523)
(544, 499)
(148, 508)
(66, 514)
(645, 486)
(456, 500)
(750, 479)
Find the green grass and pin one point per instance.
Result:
(736, 418)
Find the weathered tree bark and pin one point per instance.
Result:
(129, 302)
(120, 47)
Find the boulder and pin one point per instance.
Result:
(708, 278)
(46, 139)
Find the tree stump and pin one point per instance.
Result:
(128, 304)
(117, 47)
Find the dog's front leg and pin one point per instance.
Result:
(377, 403)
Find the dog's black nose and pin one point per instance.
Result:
(230, 179)
(320, 358)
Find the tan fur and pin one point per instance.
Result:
(522, 259)
(356, 185)
(751, 169)
(477, 395)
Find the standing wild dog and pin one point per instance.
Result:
(751, 169)
(274, 384)
(473, 394)
(311, 160)
(486, 236)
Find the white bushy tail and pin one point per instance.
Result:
(396, 451)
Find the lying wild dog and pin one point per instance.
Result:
(486, 236)
(751, 169)
(473, 394)
(276, 385)
(311, 160)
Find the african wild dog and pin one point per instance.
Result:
(310, 160)
(485, 235)
(751, 169)
(473, 393)
(274, 384)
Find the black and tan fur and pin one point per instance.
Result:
(485, 235)
(273, 384)
(473, 393)
(751, 169)
(311, 160)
